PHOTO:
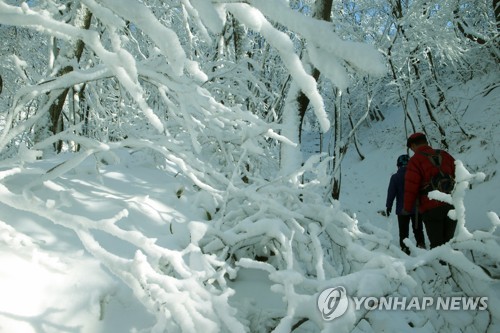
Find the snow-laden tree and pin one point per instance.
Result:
(429, 47)
(163, 77)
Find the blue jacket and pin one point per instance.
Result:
(396, 190)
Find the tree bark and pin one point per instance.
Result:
(322, 11)
(84, 17)
(295, 107)
(338, 148)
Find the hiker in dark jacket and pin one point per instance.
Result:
(440, 228)
(396, 191)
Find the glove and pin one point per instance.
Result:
(388, 211)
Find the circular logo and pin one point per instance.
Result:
(333, 302)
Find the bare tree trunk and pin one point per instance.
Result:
(74, 51)
(81, 113)
(238, 38)
(322, 11)
(303, 103)
(290, 155)
(296, 105)
(336, 144)
(56, 119)
(353, 126)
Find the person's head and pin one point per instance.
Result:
(416, 140)
(402, 160)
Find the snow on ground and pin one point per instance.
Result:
(50, 284)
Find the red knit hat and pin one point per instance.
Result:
(414, 137)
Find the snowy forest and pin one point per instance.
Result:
(214, 165)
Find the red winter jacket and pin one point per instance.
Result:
(419, 172)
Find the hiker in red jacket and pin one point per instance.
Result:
(419, 172)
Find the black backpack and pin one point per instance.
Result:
(442, 182)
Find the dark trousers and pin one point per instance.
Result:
(440, 228)
(404, 230)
